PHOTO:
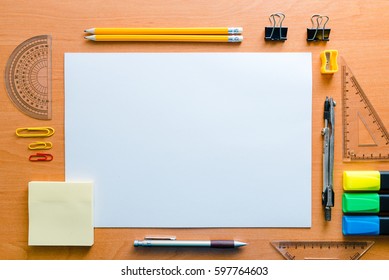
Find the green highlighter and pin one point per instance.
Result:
(365, 203)
(365, 180)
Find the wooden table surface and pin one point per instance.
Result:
(359, 31)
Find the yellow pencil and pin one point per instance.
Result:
(167, 31)
(167, 38)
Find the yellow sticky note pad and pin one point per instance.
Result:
(60, 214)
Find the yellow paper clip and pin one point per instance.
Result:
(35, 132)
(38, 145)
(329, 63)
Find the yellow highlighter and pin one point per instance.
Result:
(365, 180)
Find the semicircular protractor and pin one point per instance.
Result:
(28, 77)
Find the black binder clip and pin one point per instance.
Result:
(318, 32)
(276, 32)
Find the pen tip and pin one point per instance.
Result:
(240, 244)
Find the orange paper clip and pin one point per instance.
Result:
(41, 157)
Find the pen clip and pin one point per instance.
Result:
(156, 237)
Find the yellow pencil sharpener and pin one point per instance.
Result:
(329, 61)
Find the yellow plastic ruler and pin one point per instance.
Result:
(28, 77)
(364, 134)
(322, 250)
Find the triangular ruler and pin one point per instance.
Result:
(322, 250)
(364, 134)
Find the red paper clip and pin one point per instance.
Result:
(41, 157)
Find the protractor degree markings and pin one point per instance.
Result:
(28, 77)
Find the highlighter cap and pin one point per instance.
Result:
(365, 180)
(361, 203)
(361, 225)
(365, 225)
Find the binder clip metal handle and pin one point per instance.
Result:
(276, 32)
(318, 31)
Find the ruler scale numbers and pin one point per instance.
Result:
(364, 134)
(322, 250)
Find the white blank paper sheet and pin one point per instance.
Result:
(191, 139)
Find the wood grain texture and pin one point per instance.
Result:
(358, 32)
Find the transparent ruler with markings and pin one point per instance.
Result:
(364, 134)
(322, 250)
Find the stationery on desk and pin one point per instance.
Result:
(165, 30)
(167, 38)
(369, 180)
(60, 214)
(28, 77)
(318, 31)
(276, 32)
(360, 199)
(365, 203)
(200, 34)
(172, 242)
(365, 137)
(365, 225)
(201, 139)
(328, 133)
